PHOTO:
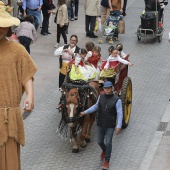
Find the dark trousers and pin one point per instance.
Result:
(105, 133)
(160, 14)
(45, 23)
(124, 6)
(76, 9)
(90, 23)
(61, 79)
(25, 41)
(61, 31)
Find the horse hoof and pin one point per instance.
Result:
(75, 150)
(87, 140)
(83, 146)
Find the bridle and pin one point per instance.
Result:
(86, 92)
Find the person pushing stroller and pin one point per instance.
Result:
(111, 28)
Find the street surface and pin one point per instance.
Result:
(45, 150)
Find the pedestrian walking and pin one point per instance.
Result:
(74, 13)
(92, 9)
(33, 8)
(47, 8)
(109, 108)
(61, 21)
(16, 76)
(26, 32)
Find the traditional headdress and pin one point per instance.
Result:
(6, 20)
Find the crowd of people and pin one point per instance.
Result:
(65, 11)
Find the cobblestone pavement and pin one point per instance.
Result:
(45, 150)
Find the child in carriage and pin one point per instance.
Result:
(112, 61)
(79, 70)
(119, 47)
(93, 59)
(115, 57)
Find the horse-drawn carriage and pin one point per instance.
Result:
(78, 95)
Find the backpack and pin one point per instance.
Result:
(105, 3)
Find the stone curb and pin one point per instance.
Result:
(150, 153)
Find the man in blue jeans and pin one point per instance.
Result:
(109, 108)
(33, 8)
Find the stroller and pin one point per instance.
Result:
(111, 27)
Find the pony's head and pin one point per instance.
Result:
(72, 102)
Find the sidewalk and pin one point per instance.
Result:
(157, 156)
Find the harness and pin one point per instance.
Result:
(86, 92)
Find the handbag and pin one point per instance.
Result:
(121, 27)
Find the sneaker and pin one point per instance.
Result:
(102, 156)
(105, 165)
(56, 46)
(76, 18)
(72, 19)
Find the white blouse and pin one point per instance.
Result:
(117, 58)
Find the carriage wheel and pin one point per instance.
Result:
(126, 97)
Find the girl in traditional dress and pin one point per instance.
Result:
(119, 47)
(115, 57)
(94, 59)
(79, 70)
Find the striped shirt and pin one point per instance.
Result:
(32, 4)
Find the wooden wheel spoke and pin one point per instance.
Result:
(126, 96)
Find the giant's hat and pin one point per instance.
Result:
(6, 20)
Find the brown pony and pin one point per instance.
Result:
(77, 101)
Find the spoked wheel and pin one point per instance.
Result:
(126, 97)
